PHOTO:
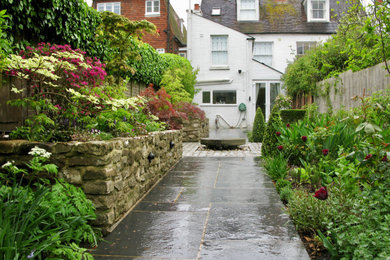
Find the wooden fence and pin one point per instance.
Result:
(348, 85)
(12, 117)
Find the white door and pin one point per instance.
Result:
(265, 95)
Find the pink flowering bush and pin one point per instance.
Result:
(61, 85)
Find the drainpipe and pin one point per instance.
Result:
(168, 29)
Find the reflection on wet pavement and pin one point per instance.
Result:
(207, 208)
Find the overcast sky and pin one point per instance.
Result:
(180, 7)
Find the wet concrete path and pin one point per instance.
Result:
(207, 208)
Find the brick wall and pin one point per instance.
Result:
(135, 10)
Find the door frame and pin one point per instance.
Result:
(267, 96)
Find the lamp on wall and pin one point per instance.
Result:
(239, 71)
(249, 98)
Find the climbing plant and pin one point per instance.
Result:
(56, 21)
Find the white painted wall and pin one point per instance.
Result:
(239, 58)
(285, 46)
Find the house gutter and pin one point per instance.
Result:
(168, 29)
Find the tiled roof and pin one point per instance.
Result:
(293, 20)
(175, 26)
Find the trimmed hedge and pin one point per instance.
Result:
(292, 115)
(258, 126)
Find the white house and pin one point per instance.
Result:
(242, 48)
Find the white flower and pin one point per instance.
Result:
(40, 152)
(7, 164)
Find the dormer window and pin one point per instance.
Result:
(216, 11)
(317, 10)
(247, 10)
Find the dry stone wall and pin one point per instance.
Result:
(114, 174)
(195, 129)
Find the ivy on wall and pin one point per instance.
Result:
(56, 21)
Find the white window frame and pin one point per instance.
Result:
(213, 64)
(216, 11)
(152, 13)
(263, 55)
(219, 104)
(239, 9)
(105, 6)
(310, 10)
(310, 43)
(160, 50)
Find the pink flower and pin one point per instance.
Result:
(304, 138)
(321, 194)
(278, 133)
(280, 147)
(325, 152)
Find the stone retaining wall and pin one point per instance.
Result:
(195, 129)
(114, 174)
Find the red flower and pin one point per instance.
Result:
(278, 133)
(288, 125)
(280, 147)
(325, 152)
(368, 157)
(321, 194)
(304, 138)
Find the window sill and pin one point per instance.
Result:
(220, 67)
(318, 21)
(152, 15)
(218, 105)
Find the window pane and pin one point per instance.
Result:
(117, 8)
(156, 6)
(109, 7)
(248, 4)
(262, 52)
(224, 97)
(100, 7)
(206, 97)
(275, 90)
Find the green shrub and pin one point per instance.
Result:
(269, 147)
(172, 82)
(40, 220)
(276, 167)
(181, 68)
(292, 115)
(285, 194)
(258, 126)
(281, 183)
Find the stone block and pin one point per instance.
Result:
(72, 175)
(95, 147)
(98, 187)
(59, 148)
(103, 202)
(11, 146)
(104, 217)
(99, 173)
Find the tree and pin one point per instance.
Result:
(258, 126)
(268, 147)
